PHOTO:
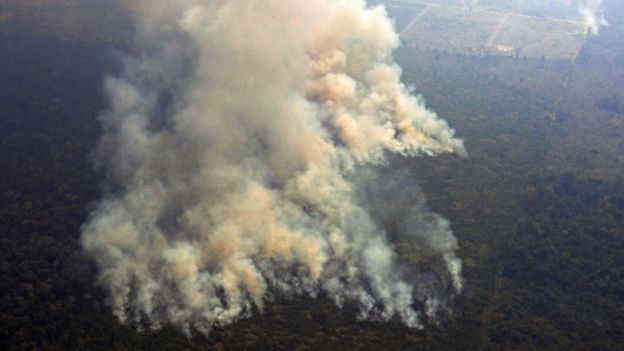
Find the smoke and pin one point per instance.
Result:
(590, 10)
(245, 152)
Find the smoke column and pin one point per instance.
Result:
(593, 18)
(588, 11)
(245, 153)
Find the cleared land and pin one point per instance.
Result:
(474, 27)
(534, 37)
(452, 29)
(404, 12)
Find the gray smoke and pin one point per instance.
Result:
(243, 150)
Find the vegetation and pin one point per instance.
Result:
(538, 207)
(611, 104)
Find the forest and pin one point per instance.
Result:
(537, 206)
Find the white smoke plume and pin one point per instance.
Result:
(236, 149)
(590, 10)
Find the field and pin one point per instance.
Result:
(403, 12)
(451, 29)
(478, 28)
(534, 37)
